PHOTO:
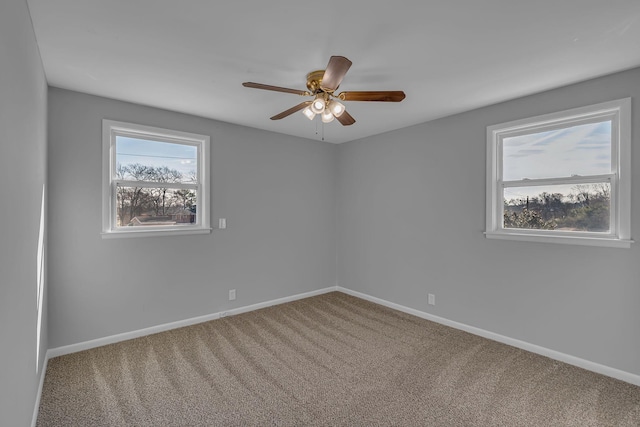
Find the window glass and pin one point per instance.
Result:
(155, 206)
(583, 149)
(571, 208)
(146, 160)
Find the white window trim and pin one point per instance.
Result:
(620, 178)
(111, 129)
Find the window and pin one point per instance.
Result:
(563, 177)
(155, 181)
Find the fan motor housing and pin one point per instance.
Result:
(314, 80)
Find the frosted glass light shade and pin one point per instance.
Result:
(317, 106)
(336, 108)
(327, 116)
(308, 113)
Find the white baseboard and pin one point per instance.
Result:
(279, 301)
(86, 345)
(552, 354)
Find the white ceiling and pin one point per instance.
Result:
(448, 56)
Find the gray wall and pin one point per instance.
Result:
(411, 213)
(23, 126)
(277, 193)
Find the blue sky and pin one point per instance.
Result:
(579, 150)
(180, 157)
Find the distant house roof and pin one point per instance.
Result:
(151, 220)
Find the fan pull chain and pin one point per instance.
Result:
(322, 136)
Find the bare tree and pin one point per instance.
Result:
(134, 201)
(162, 174)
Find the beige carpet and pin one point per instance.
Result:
(328, 360)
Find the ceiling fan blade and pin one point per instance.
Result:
(381, 96)
(275, 88)
(346, 119)
(291, 110)
(335, 72)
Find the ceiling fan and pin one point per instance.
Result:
(322, 84)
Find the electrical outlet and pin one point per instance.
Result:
(222, 223)
(232, 294)
(432, 299)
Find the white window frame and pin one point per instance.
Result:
(110, 130)
(619, 112)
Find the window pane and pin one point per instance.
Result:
(583, 207)
(577, 150)
(146, 160)
(155, 206)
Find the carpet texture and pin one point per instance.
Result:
(327, 360)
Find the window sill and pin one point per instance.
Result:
(152, 233)
(566, 240)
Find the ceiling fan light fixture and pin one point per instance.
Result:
(308, 112)
(336, 108)
(322, 85)
(327, 116)
(318, 104)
